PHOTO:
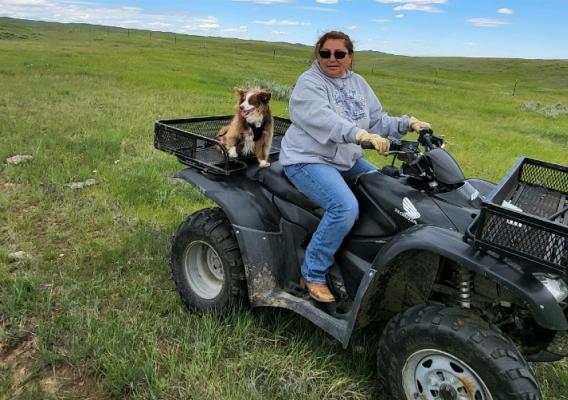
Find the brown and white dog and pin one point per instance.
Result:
(252, 127)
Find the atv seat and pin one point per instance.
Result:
(276, 181)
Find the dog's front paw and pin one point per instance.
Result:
(264, 164)
(233, 152)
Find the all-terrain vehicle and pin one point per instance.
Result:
(471, 276)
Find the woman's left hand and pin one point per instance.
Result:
(416, 125)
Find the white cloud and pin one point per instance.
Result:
(279, 33)
(24, 2)
(203, 24)
(488, 22)
(352, 27)
(506, 11)
(132, 17)
(318, 9)
(80, 11)
(380, 20)
(134, 9)
(264, 1)
(159, 24)
(418, 7)
(240, 29)
(399, 16)
(412, 1)
(415, 5)
(281, 22)
(327, 1)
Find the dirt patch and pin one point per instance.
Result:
(19, 358)
(66, 383)
(60, 381)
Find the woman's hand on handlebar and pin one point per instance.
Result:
(378, 142)
(416, 125)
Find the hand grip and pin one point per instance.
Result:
(395, 145)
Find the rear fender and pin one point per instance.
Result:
(256, 223)
(245, 202)
(439, 242)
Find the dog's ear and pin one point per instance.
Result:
(239, 91)
(265, 96)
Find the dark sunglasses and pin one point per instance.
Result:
(339, 55)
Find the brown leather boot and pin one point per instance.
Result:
(319, 292)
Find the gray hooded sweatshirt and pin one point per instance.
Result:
(326, 114)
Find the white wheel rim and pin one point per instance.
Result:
(431, 374)
(203, 269)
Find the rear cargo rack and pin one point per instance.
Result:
(526, 215)
(193, 141)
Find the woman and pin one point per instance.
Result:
(333, 110)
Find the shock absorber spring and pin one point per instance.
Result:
(465, 288)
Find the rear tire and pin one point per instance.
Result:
(439, 352)
(206, 263)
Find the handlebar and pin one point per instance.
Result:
(425, 137)
(415, 163)
(367, 145)
(395, 145)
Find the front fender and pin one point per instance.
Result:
(449, 244)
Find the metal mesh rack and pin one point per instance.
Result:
(526, 215)
(193, 141)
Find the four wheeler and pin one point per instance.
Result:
(471, 276)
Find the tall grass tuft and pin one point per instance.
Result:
(279, 91)
(548, 110)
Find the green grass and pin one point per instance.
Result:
(95, 305)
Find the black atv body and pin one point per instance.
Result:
(424, 246)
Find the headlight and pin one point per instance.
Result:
(556, 286)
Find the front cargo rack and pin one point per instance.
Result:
(193, 141)
(526, 215)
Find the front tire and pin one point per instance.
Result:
(438, 352)
(206, 263)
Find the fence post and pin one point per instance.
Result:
(515, 88)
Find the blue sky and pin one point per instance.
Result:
(474, 28)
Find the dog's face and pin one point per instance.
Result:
(252, 101)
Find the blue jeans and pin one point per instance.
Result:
(324, 185)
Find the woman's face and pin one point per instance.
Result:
(333, 66)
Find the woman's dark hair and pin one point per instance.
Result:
(334, 35)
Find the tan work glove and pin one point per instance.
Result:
(416, 124)
(380, 143)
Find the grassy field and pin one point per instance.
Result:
(91, 311)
